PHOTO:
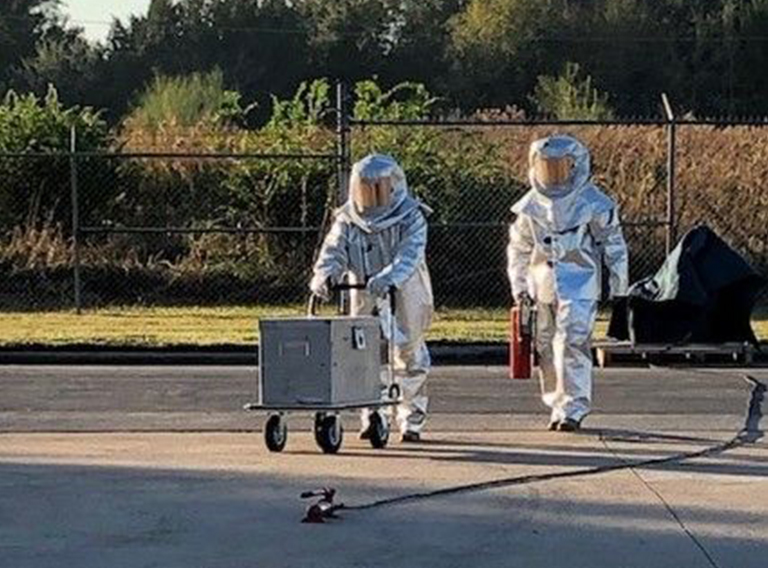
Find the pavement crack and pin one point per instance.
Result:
(749, 434)
(667, 506)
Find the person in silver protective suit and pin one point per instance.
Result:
(379, 237)
(565, 229)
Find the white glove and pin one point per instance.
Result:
(320, 287)
(378, 286)
(522, 299)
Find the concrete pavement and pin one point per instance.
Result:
(219, 499)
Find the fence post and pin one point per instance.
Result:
(75, 216)
(343, 151)
(343, 164)
(671, 221)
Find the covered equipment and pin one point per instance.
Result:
(703, 293)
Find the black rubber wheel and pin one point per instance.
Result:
(330, 434)
(275, 433)
(379, 430)
(318, 428)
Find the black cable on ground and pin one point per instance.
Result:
(747, 435)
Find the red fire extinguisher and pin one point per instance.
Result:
(521, 338)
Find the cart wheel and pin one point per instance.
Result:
(275, 433)
(394, 391)
(379, 430)
(329, 434)
(318, 428)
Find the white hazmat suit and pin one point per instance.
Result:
(565, 229)
(379, 237)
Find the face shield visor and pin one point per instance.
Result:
(552, 172)
(371, 195)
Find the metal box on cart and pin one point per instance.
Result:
(320, 361)
(327, 365)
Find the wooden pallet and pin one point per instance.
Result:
(609, 353)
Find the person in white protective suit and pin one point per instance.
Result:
(565, 229)
(379, 238)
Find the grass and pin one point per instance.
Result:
(218, 326)
(202, 326)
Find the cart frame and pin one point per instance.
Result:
(328, 428)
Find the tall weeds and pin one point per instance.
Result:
(468, 176)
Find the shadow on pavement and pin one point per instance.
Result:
(581, 455)
(52, 515)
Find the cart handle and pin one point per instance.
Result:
(345, 286)
(315, 300)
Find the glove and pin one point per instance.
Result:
(320, 287)
(619, 327)
(378, 286)
(523, 299)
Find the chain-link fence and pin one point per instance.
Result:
(154, 229)
(722, 181)
(471, 174)
(201, 230)
(89, 230)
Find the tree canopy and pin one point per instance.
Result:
(473, 53)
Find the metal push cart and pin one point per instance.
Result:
(326, 365)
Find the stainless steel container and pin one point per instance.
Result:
(320, 361)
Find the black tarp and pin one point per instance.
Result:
(703, 293)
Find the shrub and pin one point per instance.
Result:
(571, 96)
(36, 189)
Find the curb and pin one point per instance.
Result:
(443, 353)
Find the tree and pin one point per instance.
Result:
(702, 52)
(259, 45)
(421, 37)
(22, 24)
(475, 53)
(499, 46)
(348, 39)
(162, 18)
(631, 50)
(67, 60)
(52, 52)
(729, 47)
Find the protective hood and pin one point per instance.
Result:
(555, 147)
(376, 167)
(570, 204)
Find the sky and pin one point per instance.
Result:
(95, 16)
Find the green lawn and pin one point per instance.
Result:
(216, 326)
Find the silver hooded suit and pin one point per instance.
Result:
(387, 249)
(558, 243)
